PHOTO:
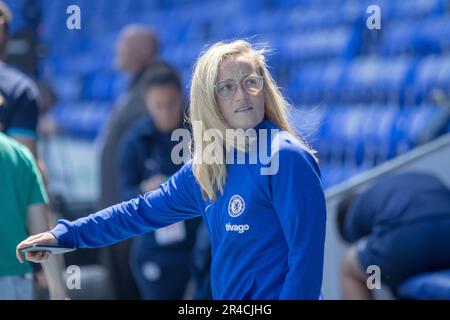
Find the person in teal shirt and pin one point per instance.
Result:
(22, 208)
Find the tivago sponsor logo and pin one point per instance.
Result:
(239, 228)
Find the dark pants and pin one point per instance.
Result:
(160, 273)
(124, 283)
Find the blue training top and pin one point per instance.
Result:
(267, 231)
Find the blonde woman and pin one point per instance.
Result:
(267, 228)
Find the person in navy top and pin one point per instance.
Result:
(160, 261)
(401, 224)
(19, 95)
(266, 219)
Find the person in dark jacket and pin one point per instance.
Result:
(160, 261)
(399, 226)
(137, 57)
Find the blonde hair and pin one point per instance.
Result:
(204, 108)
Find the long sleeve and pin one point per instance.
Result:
(176, 200)
(300, 204)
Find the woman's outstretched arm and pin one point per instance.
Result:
(176, 200)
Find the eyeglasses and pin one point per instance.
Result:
(252, 84)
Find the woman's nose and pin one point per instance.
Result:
(241, 93)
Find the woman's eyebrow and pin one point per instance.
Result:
(244, 76)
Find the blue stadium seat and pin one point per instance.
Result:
(320, 44)
(433, 34)
(426, 36)
(373, 78)
(354, 138)
(399, 38)
(67, 87)
(413, 9)
(98, 86)
(314, 82)
(83, 120)
(426, 286)
(432, 73)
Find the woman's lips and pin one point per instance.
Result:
(243, 109)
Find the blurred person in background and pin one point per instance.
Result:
(160, 260)
(19, 96)
(19, 109)
(136, 56)
(400, 224)
(23, 209)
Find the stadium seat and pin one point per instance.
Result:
(426, 286)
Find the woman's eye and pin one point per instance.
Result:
(250, 82)
(225, 88)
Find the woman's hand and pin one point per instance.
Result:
(38, 257)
